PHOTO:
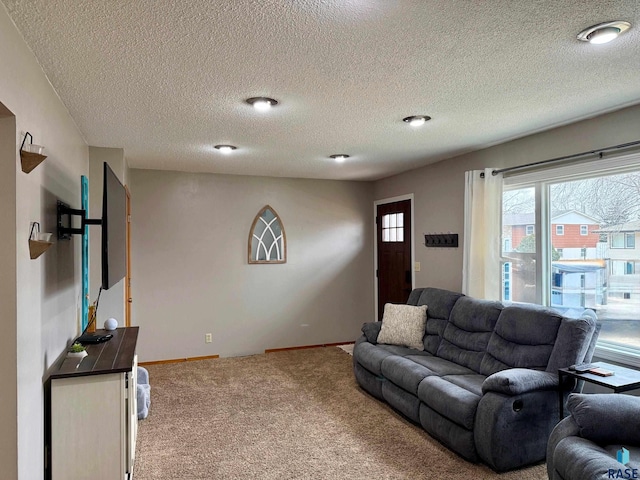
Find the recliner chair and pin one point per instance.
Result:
(599, 439)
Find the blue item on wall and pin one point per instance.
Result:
(84, 181)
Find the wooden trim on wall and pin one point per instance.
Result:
(127, 285)
(270, 350)
(178, 360)
(273, 350)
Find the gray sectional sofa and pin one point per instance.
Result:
(486, 383)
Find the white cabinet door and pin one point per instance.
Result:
(88, 427)
(132, 424)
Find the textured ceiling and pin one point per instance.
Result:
(166, 79)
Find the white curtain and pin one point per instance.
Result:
(481, 270)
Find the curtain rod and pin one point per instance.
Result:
(599, 151)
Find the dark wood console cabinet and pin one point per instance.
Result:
(93, 411)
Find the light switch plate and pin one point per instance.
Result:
(416, 267)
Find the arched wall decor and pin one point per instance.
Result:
(267, 240)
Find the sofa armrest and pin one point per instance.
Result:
(371, 330)
(516, 381)
(605, 418)
(566, 428)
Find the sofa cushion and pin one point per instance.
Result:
(606, 418)
(433, 334)
(403, 325)
(439, 366)
(524, 337)
(450, 434)
(440, 303)
(470, 326)
(472, 382)
(404, 373)
(367, 380)
(450, 400)
(406, 403)
(402, 351)
(574, 339)
(370, 356)
(414, 296)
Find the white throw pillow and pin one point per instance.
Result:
(403, 325)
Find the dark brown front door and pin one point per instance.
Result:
(393, 225)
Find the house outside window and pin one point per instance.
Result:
(623, 240)
(617, 240)
(630, 240)
(595, 263)
(506, 281)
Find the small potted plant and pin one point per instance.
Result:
(77, 350)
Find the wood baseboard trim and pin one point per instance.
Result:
(270, 350)
(178, 360)
(303, 347)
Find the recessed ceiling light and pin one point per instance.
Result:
(262, 103)
(603, 32)
(226, 149)
(416, 120)
(339, 157)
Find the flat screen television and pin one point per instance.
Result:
(114, 229)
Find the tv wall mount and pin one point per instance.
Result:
(65, 215)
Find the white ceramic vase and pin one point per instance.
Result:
(81, 354)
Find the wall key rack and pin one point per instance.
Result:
(442, 240)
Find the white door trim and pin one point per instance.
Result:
(384, 201)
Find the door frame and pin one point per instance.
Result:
(127, 283)
(410, 197)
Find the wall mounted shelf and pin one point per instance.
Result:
(30, 155)
(30, 160)
(37, 248)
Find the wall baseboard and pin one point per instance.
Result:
(178, 360)
(273, 350)
(270, 350)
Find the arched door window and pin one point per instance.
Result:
(267, 240)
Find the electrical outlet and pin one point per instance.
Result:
(416, 267)
(207, 338)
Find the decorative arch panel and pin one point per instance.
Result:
(267, 240)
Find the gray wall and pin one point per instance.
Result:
(439, 188)
(8, 297)
(190, 270)
(42, 310)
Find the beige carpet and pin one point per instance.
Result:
(287, 415)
